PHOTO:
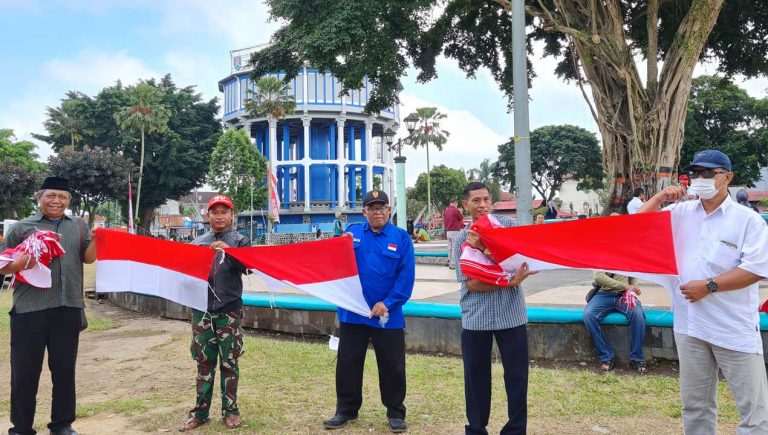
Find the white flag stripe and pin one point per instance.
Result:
(129, 276)
(670, 282)
(345, 292)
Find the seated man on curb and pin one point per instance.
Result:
(616, 293)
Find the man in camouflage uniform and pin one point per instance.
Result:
(216, 334)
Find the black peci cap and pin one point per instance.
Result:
(375, 197)
(56, 183)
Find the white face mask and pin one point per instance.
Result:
(703, 188)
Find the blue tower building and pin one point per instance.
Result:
(327, 154)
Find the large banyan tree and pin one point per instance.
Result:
(598, 44)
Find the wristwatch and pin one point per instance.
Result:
(712, 285)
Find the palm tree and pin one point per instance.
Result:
(270, 98)
(146, 114)
(67, 120)
(485, 174)
(428, 131)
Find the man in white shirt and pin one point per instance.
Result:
(637, 201)
(722, 253)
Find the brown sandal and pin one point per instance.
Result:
(233, 421)
(192, 424)
(606, 366)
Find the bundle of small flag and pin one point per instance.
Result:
(42, 246)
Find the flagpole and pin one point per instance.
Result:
(251, 210)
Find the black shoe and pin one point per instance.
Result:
(397, 425)
(338, 421)
(64, 431)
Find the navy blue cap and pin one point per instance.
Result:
(710, 159)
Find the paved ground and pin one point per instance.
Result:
(565, 287)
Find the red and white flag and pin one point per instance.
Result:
(274, 200)
(639, 245)
(324, 268)
(170, 270)
(179, 272)
(131, 229)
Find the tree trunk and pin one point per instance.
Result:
(148, 216)
(141, 175)
(429, 187)
(642, 129)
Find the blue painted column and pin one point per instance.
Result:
(363, 151)
(265, 143)
(364, 179)
(332, 139)
(286, 142)
(352, 180)
(334, 187)
(286, 185)
(351, 141)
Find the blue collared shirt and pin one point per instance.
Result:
(387, 270)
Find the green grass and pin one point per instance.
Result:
(127, 407)
(98, 324)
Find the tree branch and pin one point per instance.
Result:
(653, 47)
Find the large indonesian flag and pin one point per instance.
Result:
(179, 272)
(325, 268)
(170, 270)
(639, 245)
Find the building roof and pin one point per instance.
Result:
(173, 221)
(757, 195)
(509, 205)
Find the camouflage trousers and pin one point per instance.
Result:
(216, 336)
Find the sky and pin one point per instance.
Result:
(54, 46)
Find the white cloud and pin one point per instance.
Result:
(470, 142)
(91, 70)
(242, 22)
(193, 68)
(26, 115)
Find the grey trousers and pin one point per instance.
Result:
(744, 373)
(451, 236)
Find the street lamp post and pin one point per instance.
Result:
(389, 136)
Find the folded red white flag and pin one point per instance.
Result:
(43, 246)
(638, 245)
(170, 270)
(324, 268)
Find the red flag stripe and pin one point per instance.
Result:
(302, 263)
(188, 259)
(634, 243)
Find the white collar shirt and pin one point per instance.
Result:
(708, 246)
(634, 205)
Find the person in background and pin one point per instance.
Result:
(420, 235)
(538, 219)
(338, 226)
(551, 210)
(742, 197)
(453, 221)
(637, 201)
(617, 293)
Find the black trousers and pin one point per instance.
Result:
(58, 330)
(476, 349)
(389, 345)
